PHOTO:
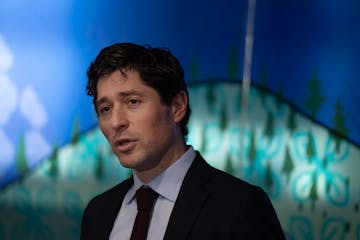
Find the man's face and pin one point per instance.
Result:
(142, 131)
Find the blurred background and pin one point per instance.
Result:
(295, 130)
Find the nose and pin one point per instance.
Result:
(119, 119)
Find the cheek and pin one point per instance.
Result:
(104, 130)
(163, 125)
(154, 125)
(162, 120)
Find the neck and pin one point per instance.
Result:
(171, 156)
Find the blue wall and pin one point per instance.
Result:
(51, 46)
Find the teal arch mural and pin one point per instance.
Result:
(315, 190)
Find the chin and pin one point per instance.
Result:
(127, 165)
(127, 162)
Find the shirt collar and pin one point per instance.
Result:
(168, 183)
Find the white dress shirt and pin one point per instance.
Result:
(167, 185)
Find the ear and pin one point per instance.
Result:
(179, 105)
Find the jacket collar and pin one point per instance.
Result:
(114, 206)
(191, 198)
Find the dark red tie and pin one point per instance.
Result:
(145, 198)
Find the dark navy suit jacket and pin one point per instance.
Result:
(211, 205)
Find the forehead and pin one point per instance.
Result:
(119, 83)
(119, 80)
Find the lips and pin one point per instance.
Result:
(125, 144)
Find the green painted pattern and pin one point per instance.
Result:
(309, 173)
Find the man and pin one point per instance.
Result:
(141, 99)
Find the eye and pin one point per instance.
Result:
(133, 101)
(104, 109)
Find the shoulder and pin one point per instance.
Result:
(110, 199)
(250, 206)
(220, 182)
(238, 188)
(105, 207)
(115, 192)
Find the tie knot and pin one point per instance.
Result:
(145, 198)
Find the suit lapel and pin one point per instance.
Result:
(190, 200)
(114, 202)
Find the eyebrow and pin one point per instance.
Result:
(124, 94)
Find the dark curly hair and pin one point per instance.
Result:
(157, 68)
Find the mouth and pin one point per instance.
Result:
(124, 145)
